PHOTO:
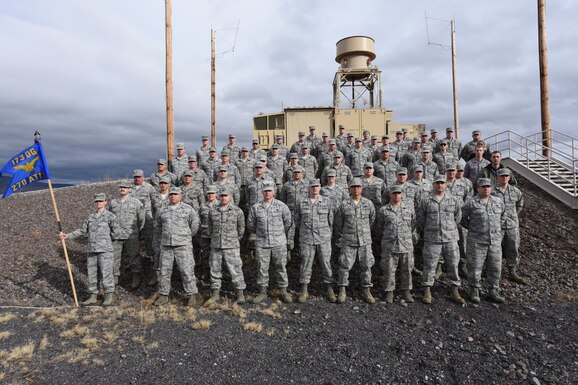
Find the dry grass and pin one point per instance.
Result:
(89, 342)
(97, 362)
(20, 353)
(74, 356)
(191, 314)
(43, 343)
(271, 313)
(270, 332)
(76, 331)
(109, 336)
(238, 311)
(201, 324)
(2, 376)
(152, 346)
(253, 327)
(58, 317)
(5, 334)
(562, 296)
(138, 339)
(6, 317)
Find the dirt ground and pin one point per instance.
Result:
(533, 339)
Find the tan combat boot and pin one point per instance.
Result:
(330, 294)
(455, 294)
(214, 298)
(407, 297)
(108, 297)
(304, 295)
(514, 277)
(285, 295)
(426, 295)
(496, 297)
(438, 272)
(341, 297)
(240, 297)
(389, 296)
(262, 296)
(367, 297)
(91, 300)
(116, 279)
(162, 300)
(475, 295)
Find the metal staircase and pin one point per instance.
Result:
(555, 174)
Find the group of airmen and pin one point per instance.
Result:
(410, 203)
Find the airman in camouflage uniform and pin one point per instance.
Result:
(313, 140)
(433, 139)
(256, 151)
(130, 216)
(101, 228)
(295, 147)
(430, 168)
(349, 145)
(308, 162)
(342, 173)
(225, 182)
(232, 148)
(314, 219)
(399, 146)
(454, 145)
(203, 236)
(322, 147)
(341, 138)
(232, 171)
(145, 192)
(199, 178)
(226, 227)
(211, 164)
(353, 222)
(373, 187)
(482, 216)
(291, 193)
(283, 149)
(245, 165)
(278, 165)
(175, 227)
(270, 220)
(162, 171)
(412, 155)
(357, 157)
(193, 194)
(409, 193)
(181, 162)
(443, 157)
(203, 151)
(466, 181)
(513, 200)
(468, 152)
(326, 158)
(395, 224)
(438, 216)
(293, 162)
(159, 202)
(386, 167)
(384, 144)
(424, 186)
(336, 194)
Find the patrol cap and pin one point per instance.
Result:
(297, 169)
(268, 186)
(404, 130)
(244, 149)
(418, 167)
(395, 189)
(301, 133)
(331, 172)
(223, 168)
(138, 172)
(451, 167)
(384, 149)
(278, 137)
(124, 183)
(258, 165)
(99, 197)
(476, 132)
(484, 182)
(315, 182)
(443, 141)
(449, 129)
(187, 173)
(311, 128)
(460, 167)
(275, 146)
(255, 141)
(165, 179)
(399, 133)
(366, 131)
(338, 154)
(434, 130)
(341, 126)
(416, 140)
(440, 179)
(175, 190)
(225, 153)
(332, 141)
(293, 155)
(503, 172)
(424, 133)
(384, 136)
(212, 149)
(162, 161)
(355, 182)
(374, 137)
(350, 135)
(192, 158)
(305, 145)
(401, 171)
(358, 140)
(325, 133)
(205, 137)
(180, 146)
(211, 189)
(225, 191)
(232, 136)
(368, 165)
(425, 149)
(263, 158)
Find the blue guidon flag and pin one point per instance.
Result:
(26, 167)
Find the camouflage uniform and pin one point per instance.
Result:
(200, 178)
(130, 216)
(424, 186)
(226, 226)
(443, 158)
(470, 148)
(336, 195)
(156, 176)
(353, 233)
(461, 190)
(101, 230)
(278, 166)
(395, 227)
(454, 147)
(209, 166)
(430, 169)
(513, 200)
(411, 157)
(374, 189)
(291, 193)
(315, 223)
(439, 223)
(160, 201)
(232, 172)
(409, 193)
(386, 171)
(179, 164)
(296, 147)
(355, 159)
(204, 235)
(270, 223)
(234, 151)
(145, 194)
(246, 167)
(229, 186)
(174, 231)
(484, 240)
(203, 154)
(254, 189)
(193, 196)
(342, 178)
(309, 165)
(399, 148)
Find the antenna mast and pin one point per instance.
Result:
(169, 79)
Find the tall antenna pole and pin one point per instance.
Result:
(455, 86)
(544, 95)
(169, 78)
(213, 114)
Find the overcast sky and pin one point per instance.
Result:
(89, 75)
